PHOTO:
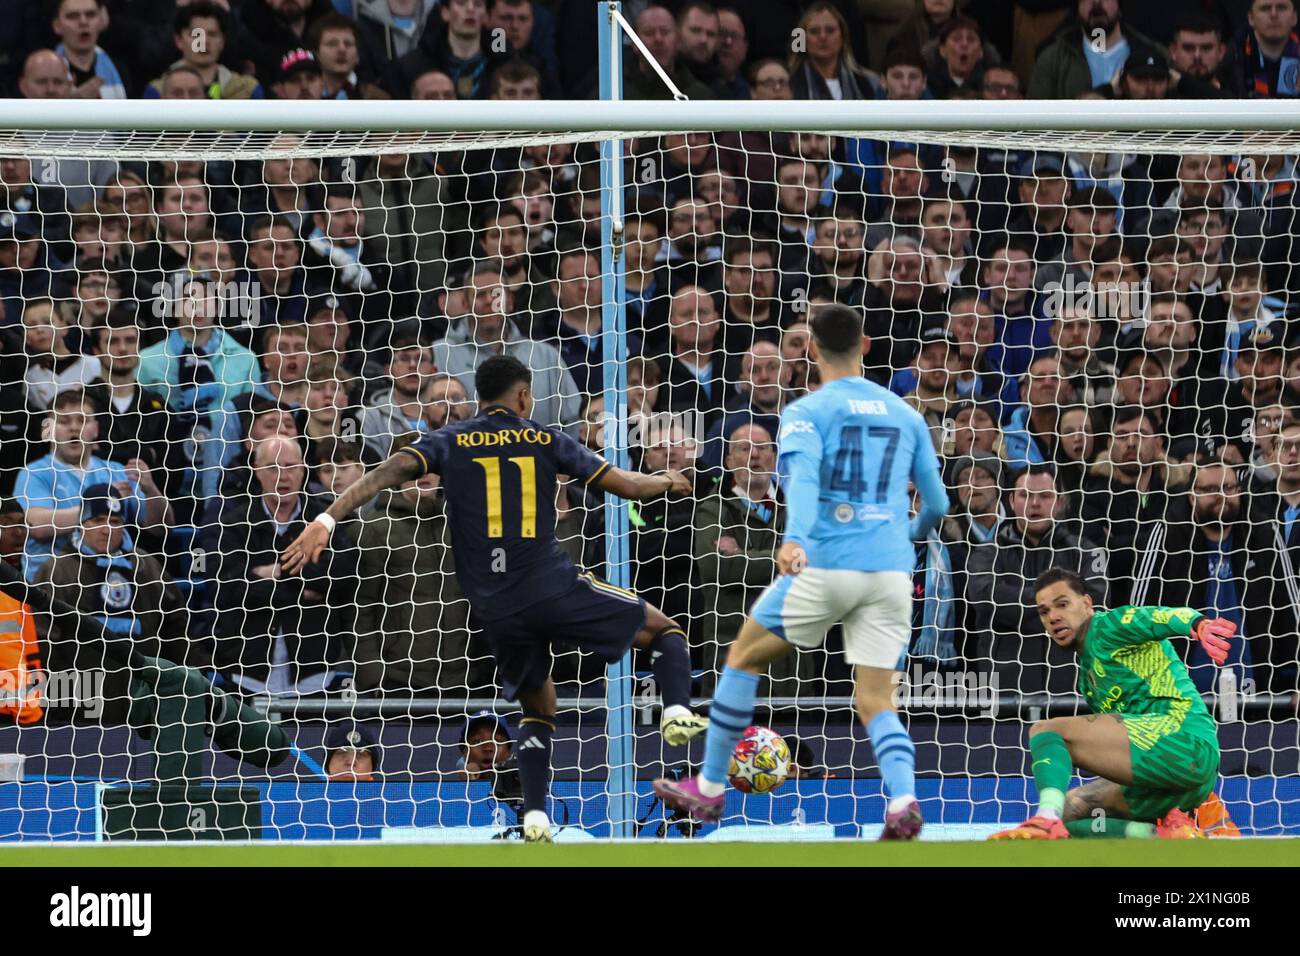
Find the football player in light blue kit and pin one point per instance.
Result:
(847, 453)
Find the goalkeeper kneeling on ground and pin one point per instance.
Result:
(1150, 740)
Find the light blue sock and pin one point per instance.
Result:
(895, 753)
(732, 711)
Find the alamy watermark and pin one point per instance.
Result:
(919, 688)
(81, 690)
(213, 299)
(1112, 300)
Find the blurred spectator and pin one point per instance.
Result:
(1087, 51)
(1031, 429)
(335, 41)
(1128, 489)
(975, 429)
(330, 338)
(338, 467)
(759, 399)
(903, 74)
(78, 24)
(52, 366)
(957, 62)
(751, 304)
(1273, 517)
(136, 422)
(838, 243)
(657, 29)
(1018, 326)
(485, 745)
(1000, 580)
(199, 31)
(733, 51)
(894, 305)
(407, 214)
(457, 42)
(1076, 336)
(413, 634)
(273, 27)
(530, 31)
(1200, 556)
(1262, 62)
(351, 754)
(977, 481)
(283, 365)
(694, 370)
(948, 241)
(298, 77)
(488, 329)
(249, 421)
(697, 31)
(934, 601)
(930, 386)
(330, 411)
(1001, 83)
(737, 529)
(390, 29)
(51, 489)
(433, 85)
(662, 565)
(1198, 49)
(576, 323)
(33, 205)
(46, 76)
(339, 261)
(101, 573)
(280, 280)
(827, 69)
(273, 633)
(407, 405)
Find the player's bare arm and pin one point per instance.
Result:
(638, 487)
(307, 547)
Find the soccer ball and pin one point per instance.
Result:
(761, 761)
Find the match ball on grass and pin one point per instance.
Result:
(760, 762)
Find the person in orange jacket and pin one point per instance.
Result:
(20, 659)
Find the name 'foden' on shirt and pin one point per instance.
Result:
(504, 436)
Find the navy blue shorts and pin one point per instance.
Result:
(595, 616)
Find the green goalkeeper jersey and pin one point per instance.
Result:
(1127, 666)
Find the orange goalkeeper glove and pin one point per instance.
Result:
(1213, 633)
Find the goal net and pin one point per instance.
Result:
(209, 333)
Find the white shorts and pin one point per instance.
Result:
(875, 608)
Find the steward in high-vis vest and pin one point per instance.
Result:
(20, 657)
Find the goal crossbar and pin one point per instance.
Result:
(138, 129)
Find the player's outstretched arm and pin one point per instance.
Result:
(638, 487)
(307, 547)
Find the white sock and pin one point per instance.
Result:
(537, 818)
(900, 803)
(709, 788)
(676, 710)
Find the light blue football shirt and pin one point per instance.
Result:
(847, 452)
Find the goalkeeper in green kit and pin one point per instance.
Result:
(1149, 739)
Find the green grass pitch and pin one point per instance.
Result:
(1176, 853)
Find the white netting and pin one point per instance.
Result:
(1120, 308)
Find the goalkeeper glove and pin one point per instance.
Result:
(1213, 633)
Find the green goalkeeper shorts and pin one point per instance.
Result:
(1175, 770)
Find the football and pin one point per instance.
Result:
(760, 762)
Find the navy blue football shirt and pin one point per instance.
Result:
(498, 475)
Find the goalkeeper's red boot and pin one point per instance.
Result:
(1213, 819)
(1177, 825)
(684, 796)
(1035, 828)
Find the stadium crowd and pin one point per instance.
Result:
(198, 355)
